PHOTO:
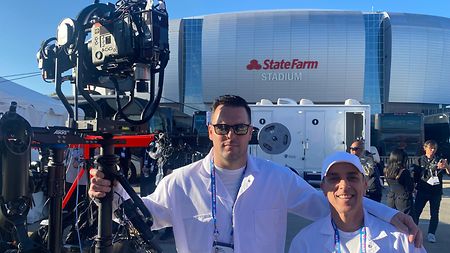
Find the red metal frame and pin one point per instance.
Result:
(129, 141)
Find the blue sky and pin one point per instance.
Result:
(25, 24)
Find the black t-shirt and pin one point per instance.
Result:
(424, 170)
(403, 184)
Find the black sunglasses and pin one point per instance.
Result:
(223, 129)
(355, 148)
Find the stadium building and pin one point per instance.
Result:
(395, 62)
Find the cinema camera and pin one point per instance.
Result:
(127, 46)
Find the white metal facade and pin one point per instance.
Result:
(315, 54)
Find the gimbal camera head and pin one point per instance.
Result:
(117, 47)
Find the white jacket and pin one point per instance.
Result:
(382, 237)
(268, 192)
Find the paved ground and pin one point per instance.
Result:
(442, 235)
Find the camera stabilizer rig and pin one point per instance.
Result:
(118, 47)
(16, 139)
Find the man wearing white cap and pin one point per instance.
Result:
(348, 228)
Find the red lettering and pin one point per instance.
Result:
(276, 65)
(266, 64)
(287, 65)
(292, 64)
(310, 64)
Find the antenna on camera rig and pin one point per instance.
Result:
(118, 47)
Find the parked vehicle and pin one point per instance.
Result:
(398, 130)
(301, 135)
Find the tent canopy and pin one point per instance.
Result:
(38, 109)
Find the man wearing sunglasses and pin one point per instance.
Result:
(371, 172)
(230, 201)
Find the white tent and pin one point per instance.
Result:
(38, 109)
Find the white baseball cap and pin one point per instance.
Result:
(340, 157)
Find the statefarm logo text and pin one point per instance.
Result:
(283, 64)
(270, 64)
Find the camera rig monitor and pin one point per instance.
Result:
(119, 47)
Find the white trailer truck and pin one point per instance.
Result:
(300, 135)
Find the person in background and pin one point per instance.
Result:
(401, 184)
(148, 171)
(124, 159)
(153, 170)
(349, 227)
(230, 201)
(428, 178)
(379, 164)
(374, 190)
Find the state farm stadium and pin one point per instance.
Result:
(395, 62)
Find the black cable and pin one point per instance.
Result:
(184, 104)
(18, 78)
(22, 74)
(33, 74)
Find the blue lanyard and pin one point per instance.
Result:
(214, 201)
(337, 240)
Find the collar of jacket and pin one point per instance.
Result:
(222, 195)
(373, 233)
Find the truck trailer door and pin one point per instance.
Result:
(314, 141)
(260, 118)
(354, 126)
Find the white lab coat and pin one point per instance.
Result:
(268, 192)
(382, 237)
